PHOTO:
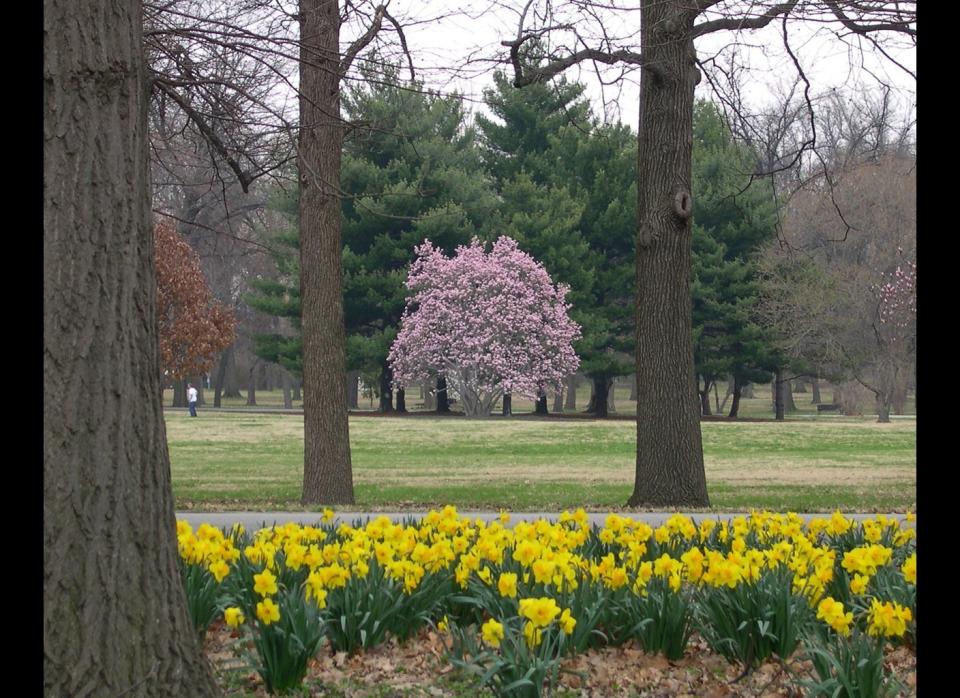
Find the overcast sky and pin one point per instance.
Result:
(475, 33)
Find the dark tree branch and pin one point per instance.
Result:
(740, 23)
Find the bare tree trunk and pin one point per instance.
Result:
(883, 408)
(429, 397)
(386, 390)
(815, 389)
(252, 385)
(599, 400)
(558, 401)
(296, 390)
(507, 404)
(285, 387)
(353, 390)
(327, 469)
(221, 374)
(669, 468)
(179, 392)
(778, 382)
(611, 396)
(788, 404)
(401, 400)
(570, 404)
(735, 405)
(443, 405)
(540, 407)
(114, 612)
(704, 398)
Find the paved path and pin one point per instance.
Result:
(252, 520)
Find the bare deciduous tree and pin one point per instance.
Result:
(658, 39)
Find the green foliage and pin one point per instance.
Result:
(203, 595)
(363, 612)
(660, 620)
(733, 216)
(284, 647)
(846, 667)
(754, 620)
(517, 670)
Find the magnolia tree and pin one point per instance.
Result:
(490, 323)
(194, 327)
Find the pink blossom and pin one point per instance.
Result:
(491, 323)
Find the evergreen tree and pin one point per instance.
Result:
(731, 221)
(568, 187)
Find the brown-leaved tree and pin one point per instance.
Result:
(194, 327)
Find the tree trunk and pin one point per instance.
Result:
(507, 405)
(114, 612)
(252, 385)
(285, 387)
(704, 398)
(599, 400)
(221, 375)
(570, 404)
(898, 401)
(558, 402)
(429, 397)
(386, 389)
(799, 386)
(815, 389)
(353, 390)
(198, 382)
(883, 408)
(443, 405)
(778, 382)
(401, 400)
(296, 390)
(669, 468)
(788, 404)
(540, 407)
(180, 392)
(327, 469)
(735, 405)
(611, 396)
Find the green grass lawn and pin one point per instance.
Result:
(255, 461)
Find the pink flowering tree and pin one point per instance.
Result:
(490, 322)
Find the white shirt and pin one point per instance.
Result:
(191, 394)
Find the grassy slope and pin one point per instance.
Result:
(255, 461)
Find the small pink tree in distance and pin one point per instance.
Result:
(491, 323)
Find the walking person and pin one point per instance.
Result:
(192, 399)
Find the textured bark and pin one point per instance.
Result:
(778, 407)
(669, 469)
(540, 407)
(114, 613)
(252, 385)
(558, 401)
(570, 404)
(285, 387)
(386, 389)
(815, 389)
(179, 392)
(735, 405)
(598, 400)
(221, 375)
(401, 400)
(788, 404)
(507, 405)
(353, 390)
(443, 404)
(327, 469)
(705, 398)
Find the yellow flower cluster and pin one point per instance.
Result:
(537, 561)
(887, 619)
(831, 612)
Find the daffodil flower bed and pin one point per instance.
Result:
(516, 602)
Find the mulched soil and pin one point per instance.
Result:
(418, 668)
